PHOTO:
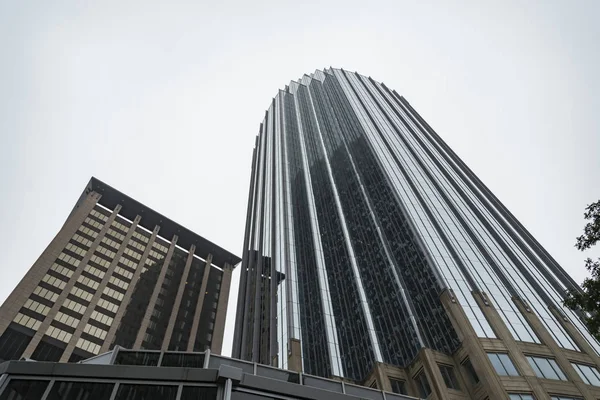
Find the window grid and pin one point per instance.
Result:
(546, 368)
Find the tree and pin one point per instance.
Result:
(588, 300)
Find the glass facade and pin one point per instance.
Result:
(364, 216)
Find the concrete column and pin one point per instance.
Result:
(110, 336)
(177, 303)
(294, 355)
(581, 342)
(152, 302)
(381, 376)
(509, 341)
(88, 311)
(436, 380)
(27, 285)
(200, 303)
(548, 340)
(61, 298)
(470, 341)
(219, 329)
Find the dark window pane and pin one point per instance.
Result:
(80, 391)
(137, 358)
(249, 396)
(13, 342)
(449, 377)
(423, 384)
(48, 352)
(198, 393)
(471, 372)
(398, 386)
(146, 392)
(18, 389)
(183, 360)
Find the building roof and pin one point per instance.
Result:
(130, 208)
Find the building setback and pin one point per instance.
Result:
(118, 273)
(373, 254)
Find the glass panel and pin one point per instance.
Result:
(546, 368)
(137, 358)
(498, 366)
(183, 360)
(198, 393)
(80, 391)
(21, 389)
(144, 392)
(508, 365)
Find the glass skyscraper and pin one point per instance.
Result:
(372, 253)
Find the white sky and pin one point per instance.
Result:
(162, 100)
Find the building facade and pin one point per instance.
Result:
(373, 254)
(118, 273)
(123, 374)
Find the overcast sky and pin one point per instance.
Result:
(163, 99)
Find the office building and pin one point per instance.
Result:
(118, 273)
(373, 254)
(123, 374)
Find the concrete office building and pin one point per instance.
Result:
(118, 273)
(373, 254)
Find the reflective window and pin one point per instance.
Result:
(588, 374)
(520, 396)
(503, 364)
(546, 368)
(198, 393)
(144, 392)
(565, 398)
(80, 391)
(59, 334)
(27, 321)
(24, 389)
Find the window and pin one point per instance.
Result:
(135, 392)
(398, 386)
(61, 270)
(102, 318)
(80, 390)
(503, 364)
(546, 368)
(470, 372)
(46, 294)
(565, 398)
(88, 346)
(21, 389)
(27, 321)
(520, 396)
(51, 280)
(449, 377)
(95, 331)
(66, 319)
(37, 307)
(588, 374)
(74, 306)
(108, 305)
(422, 384)
(59, 334)
(87, 296)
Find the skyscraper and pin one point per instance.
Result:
(373, 253)
(118, 273)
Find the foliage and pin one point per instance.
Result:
(588, 300)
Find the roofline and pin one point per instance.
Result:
(130, 208)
